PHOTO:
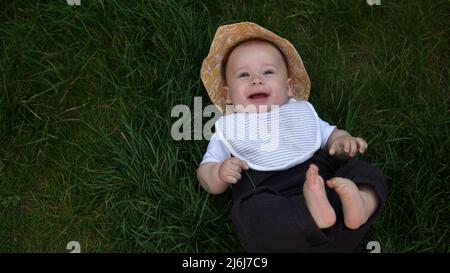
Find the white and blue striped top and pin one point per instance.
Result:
(276, 140)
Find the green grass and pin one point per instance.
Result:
(86, 94)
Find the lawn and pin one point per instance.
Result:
(86, 93)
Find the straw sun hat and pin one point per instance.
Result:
(229, 36)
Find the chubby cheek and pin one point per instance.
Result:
(237, 97)
(239, 91)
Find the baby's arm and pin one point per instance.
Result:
(216, 177)
(341, 143)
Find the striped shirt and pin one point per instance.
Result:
(276, 140)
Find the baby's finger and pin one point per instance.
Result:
(240, 163)
(235, 168)
(233, 163)
(346, 146)
(353, 148)
(332, 149)
(236, 175)
(233, 177)
(362, 144)
(230, 179)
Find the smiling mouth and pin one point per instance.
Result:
(258, 96)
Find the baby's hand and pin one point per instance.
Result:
(347, 146)
(230, 170)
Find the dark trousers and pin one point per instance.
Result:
(270, 214)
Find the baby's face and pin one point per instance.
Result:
(256, 74)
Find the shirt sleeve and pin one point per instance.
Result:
(325, 131)
(216, 151)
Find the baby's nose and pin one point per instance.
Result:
(257, 80)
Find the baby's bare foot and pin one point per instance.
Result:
(357, 206)
(316, 198)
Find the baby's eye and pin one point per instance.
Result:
(243, 74)
(267, 72)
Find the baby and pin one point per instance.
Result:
(272, 210)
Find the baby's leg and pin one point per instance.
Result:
(316, 199)
(358, 203)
